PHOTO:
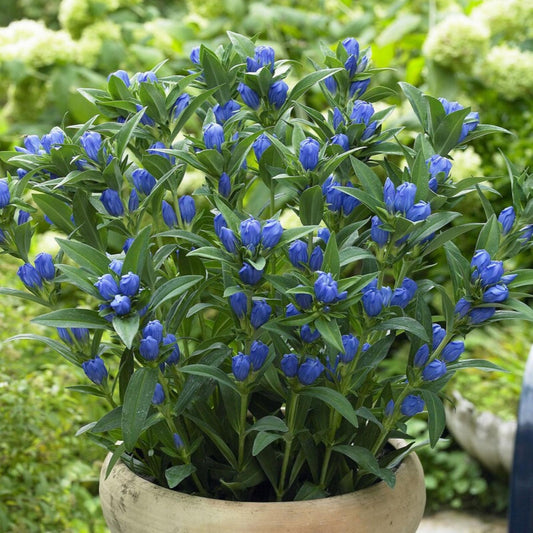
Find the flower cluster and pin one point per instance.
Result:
(119, 291)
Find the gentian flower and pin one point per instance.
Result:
(277, 94)
(250, 275)
(5, 195)
(144, 181)
(224, 185)
(56, 137)
(228, 240)
(260, 313)
(112, 202)
(107, 286)
(309, 371)
(133, 201)
(351, 45)
(481, 314)
(452, 351)
(169, 215)
(378, 235)
(438, 335)
(434, 370)
(412, 405)
(421, 356)
(491, 273)
(405, 197)
(326, 289)
(264, 56)
(271, 234)
(506, 219)
(182, 101)
(389, 194)
(187, 208)
(129, 284)
(361, 112)
(149, 348)
(195, 55)
(495, 294)
(316, 259)
(324, 234)
(480, 259)
(400, 297)
(331, 85)
(213, 136)
(226, 111)
(29, 275)
(249, 96)
(174, 357)
(260, 145)
(240, 366)
(23, 217)
(298, 253)
(309, 149)
(239, 304)
(95, 370)
(419, 211)
(121, 74)
(341, 140)
(462, 307)
(250, 230)
(153, 329)
(338, 118)
(258, 354)
(308, 335)
(178, 442)
(159, 395)
(44, 264)
(359, 87)
(121, 304)
(372, 302)
(290, 310)
(351, 345)
(219, 222)
(304, 300)
(289, 365)
(91, 141)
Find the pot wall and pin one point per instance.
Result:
(134, 505)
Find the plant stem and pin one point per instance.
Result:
(272, 199)
(242, 427)
(334, 419)
(290, 411)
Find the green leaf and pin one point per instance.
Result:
(448, 132)
(22, 295)
(137, 402)
(293, 234)
(475, 363)
(210, 252)
(329, 329)
(126, 328)
(126, 131)
(59, 347)
(86, 256)
(367, 178)
(448, 235)
(407, 324)
(72, 318)
(335, 400)
(331, 261)
(310, 491)
(489, 236)
(311, 206)
(309, 81)
(436, 416)
(244, 46)
(367, 462)
(56, 210)
(109, 421)
(176, 474)
(269, 423)
(172, 289)
(418, 103)
(137, 253)
(211, 373)
(262, 440)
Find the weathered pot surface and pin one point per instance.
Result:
(132, 504)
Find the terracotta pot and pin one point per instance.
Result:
(132, 504)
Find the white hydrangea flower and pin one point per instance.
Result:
(512, 18)
(92, 39)
(466, 163)
(457, 41)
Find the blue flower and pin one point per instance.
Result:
(452, 351)
(224, 185)
(370, 130)
(308, 335)
(272, 232)
(147, 77)
(129, 284)
(289, 365)
(107, 286)
(351, 345)
(331, 85)
(64, 335)
(298, 253)
(351, 46)
(23, 217)
(438, 335)
(389, 194)
(324, 234)
(526, 233)
(372, 302)
(127, 244)
(187, 208)
(249, 96)
(169, 215)
(495, 294)
(20, 174)
(182, 101)
(316, 259)
(506, 219)
(334, 197)
(56, 137)
(491, 273)
(240, 366)
(145, 118)
(258, 354)
(195, 55)
(291, 310)
(228, 240)
(436, 165)
(309, 371)
(338, 118)
(419, 211)
(133, 201)
(144, 181)
(389, 408)
(462, 307)
(405, 197)
(304, 300)
(434, 370)
(260, 145)
(30, 276)
(264, 56)
(250, 230)
(121, 74)
(159, 394)
(421, 356)
(219, 222)
(45, 266)
(326, 289)
(361, 112)
(239, 304)
(121, 304)
(309, 149)
(480, 314)
(250, 275)
(95, 370)
(400, 297)
(378, 235)
(153, 329)
(149, 348)
(112, 202)
(480, 259)
(277, 94)
(342, 140)
(260, 313)
(213, 136)
(470, 124)
(410, 286)
(91, 141)
(226, 111)
(359, 87)
(412, 405)
(174, 357)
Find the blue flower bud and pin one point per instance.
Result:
(452, 351)
(316, 259)
(226, 111)
(437, 164)
(412, 405)
(438, 335)
(219, 223)
(359, 87)
(250, 230)
(195, 55)
(389, 408)
(159, 394)
(121, 304)
(309, 335)
(349, 202)
(361, 112)
(342, 140)
(291, 310)
(508, 278)
(239, 304)
(386, 295)
(249, 96)
(526, 233)
(421, 356)
(20, 174)
(331, 85)
(121, 74)
(350, 65)
(23, 217)
(419, 211)
(258, 354)
(112, 202)
(405, 197)
(326, 288)
(260, 313)
(32, 143)
(324, 234)
(309, 149)
(289, 364)
(400, 297)
(127, 244)
(435, 370)
(506, 219)
(378, 235)
(147, 77)
(169, 215)
(480, 259)
(338, 118)
(228, 240)
(182, 101)
(80, 334)
(56, 137)
(470, 124)
(250, 275)
(95, 370)
(309, 371)
(480, 314)
(187, 208)
(129, 284)
(2, 236)
(433, 184)
(107, 286)
(149, 348)
(116, 266)
(64, 335)
(277, 94)
(144, 181)
(462, 307)
(265, 56)
(298, 253)
(334, 197)
(351, 345)
(491, 273)
(260, 145)
(5, 195)
(272, 232)
(389, 194)
(91, 141)
(495, 294)
(145, 118)
(45, 266)
(305, 301)
(174, 357)
(133, 201)
(372, 302)
(213, 136)
(153, 329)
(240, 366)
(351, 46)
(450, 107)
(30, 276)
(224, 185)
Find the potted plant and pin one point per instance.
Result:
(237, 333)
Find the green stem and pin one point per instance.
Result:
(290, 410)
(242, 427)
(272, 199)
(334, 423)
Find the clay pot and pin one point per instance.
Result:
(132, 504)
